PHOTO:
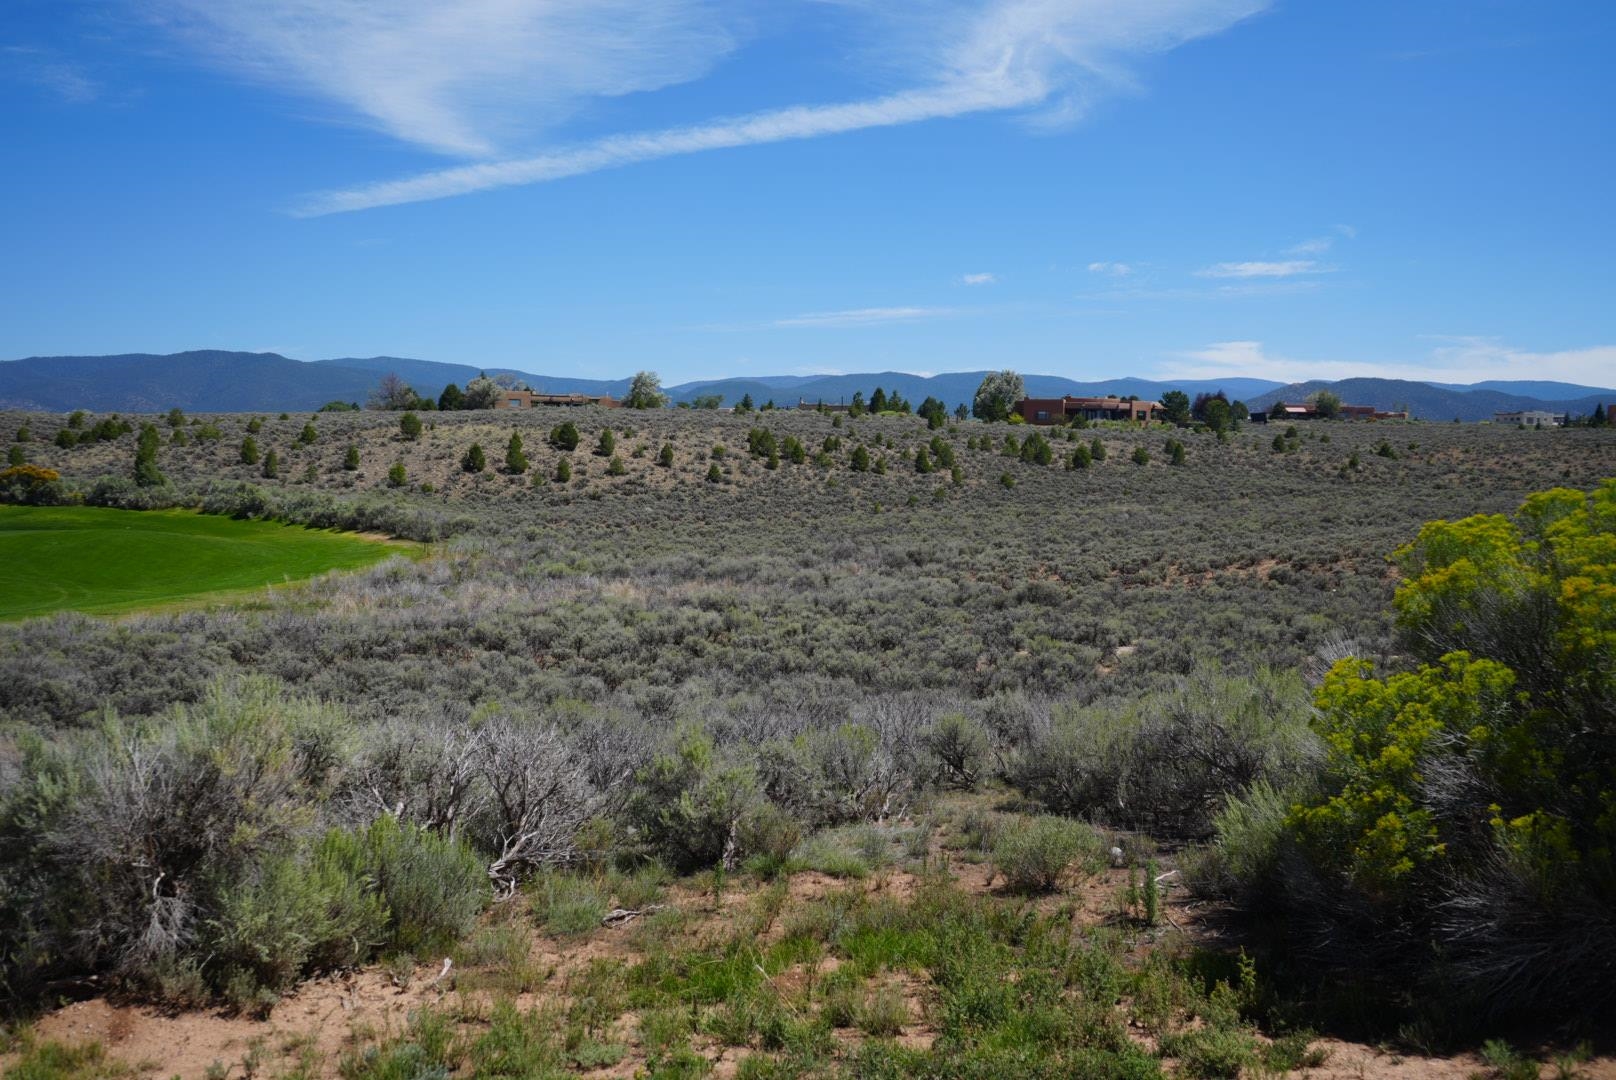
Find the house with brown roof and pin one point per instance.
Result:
(1063, 410)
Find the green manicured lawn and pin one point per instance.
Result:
(79, 558)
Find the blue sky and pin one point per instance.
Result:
(1091, 188)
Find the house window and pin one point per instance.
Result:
(516, 403)
(1043, 414)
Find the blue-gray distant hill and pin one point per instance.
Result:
(220, 381)
(1427, 402)
(953, 388)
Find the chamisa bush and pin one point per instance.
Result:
(1459, 835)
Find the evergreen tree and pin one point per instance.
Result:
(249, 451)
(1097, 449)
(396, 476)
(745, 405)
(515, 460)
(615, 467)
(878, 401)
(1176, 408)
(451, 399)
(308, 434)
(350, 458)
(409, 425)
(272, 465)
(607, 445)
(563, 471)
(665, 455)
(861, 459)
(564, 436)
(473, 461)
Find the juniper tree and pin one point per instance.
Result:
(515, 460)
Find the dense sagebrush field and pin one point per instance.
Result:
(693, 652)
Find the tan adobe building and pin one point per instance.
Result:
(528, 399)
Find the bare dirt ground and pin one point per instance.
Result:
(311, 1029)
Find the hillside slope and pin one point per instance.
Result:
(1427, 402)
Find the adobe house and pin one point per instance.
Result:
(1062, 410)
(528, 399)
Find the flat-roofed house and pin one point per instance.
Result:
(528, 399)
(1063, 410)
(1530, 417)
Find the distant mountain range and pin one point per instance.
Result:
(1429, 402)
(217, 381)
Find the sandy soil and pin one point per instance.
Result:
(328, 1017)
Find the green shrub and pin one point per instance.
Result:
(564, 436)
(567, 904)
(1034, 855)
(291, 918)
(688, 804)
(433, 887)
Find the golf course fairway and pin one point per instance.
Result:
(79, 558)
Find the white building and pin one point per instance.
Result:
(1531, 418)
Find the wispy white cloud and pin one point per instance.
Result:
(1286, 268)
(455, 76)
(1455, 360)
(978, 279)
(1318, 245)
(44, 69)
(863, 316)
(450, 74)
(1111, 269)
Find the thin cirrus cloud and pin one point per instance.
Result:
(1110, 269)
(1453, 360)
(457, 77)
(1282, 269)
(470, 78)
(43, 69)
(861, 317)
(978, 279)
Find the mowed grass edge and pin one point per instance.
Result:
(100, 561)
